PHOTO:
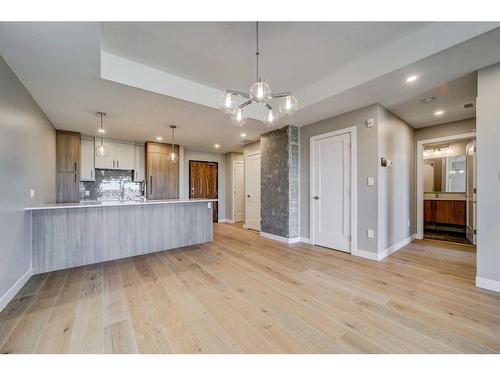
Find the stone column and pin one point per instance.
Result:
(280, 182)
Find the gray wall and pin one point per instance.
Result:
(488, 174)
(27, 160)
(230, 157)
(396, 184)
(280, 182)
(367, 164)
(447, 129)
(206, 156)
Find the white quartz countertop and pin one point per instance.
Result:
(89, 204)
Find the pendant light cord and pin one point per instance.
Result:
(257, 53)
(101, 127)
(173, 139)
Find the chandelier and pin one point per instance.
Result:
(232, 102)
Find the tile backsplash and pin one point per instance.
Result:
(111, 185)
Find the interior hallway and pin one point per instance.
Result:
(246, 294)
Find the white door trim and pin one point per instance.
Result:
(354, 195)
(246, 156)
(242, 163)
(420, 179)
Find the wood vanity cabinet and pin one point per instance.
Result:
(444, 212)
(68, 166)
(162, 175)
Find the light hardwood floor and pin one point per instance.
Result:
(246, 294)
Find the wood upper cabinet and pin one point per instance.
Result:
(68, 166)
(444, 212)
(67, 151)
(162, 175)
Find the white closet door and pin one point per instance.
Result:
(252, 191)
(238, 191)
(331, 191)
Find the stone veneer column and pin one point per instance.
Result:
(280, 182)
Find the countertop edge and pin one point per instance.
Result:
(62, 206)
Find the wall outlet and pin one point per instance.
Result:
(87, 193)
(371, 233)
(32, 193)
(371, 181)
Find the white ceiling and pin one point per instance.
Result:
(332, 68)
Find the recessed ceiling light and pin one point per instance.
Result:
(159, 138)
(411, 78)
(439, 113)
(216, 145)
(243, 135)
(101, 131)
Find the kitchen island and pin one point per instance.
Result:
(75, 234)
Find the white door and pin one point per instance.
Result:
(238, 191)
(125, 156)
(331, 185)
(471, 192)
(252, 191)
(109, 161)
(87, 171)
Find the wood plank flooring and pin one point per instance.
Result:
(246, 294)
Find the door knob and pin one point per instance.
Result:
(248, 195)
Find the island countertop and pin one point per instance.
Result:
(90, 204)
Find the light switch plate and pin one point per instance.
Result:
(369, 123)
(32, 193)
(87, 193)
(371, 181)
(371, 233)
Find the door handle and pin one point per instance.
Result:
(248, 195)
(315, 197)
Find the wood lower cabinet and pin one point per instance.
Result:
(68, 166)
(444, 212)
(68, 187)
(162, 174)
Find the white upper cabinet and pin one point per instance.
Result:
(87, 170)
(120, 156)
(109, 162)
(139, 164)
(125, 156)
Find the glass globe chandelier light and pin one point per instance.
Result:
(101, 151)
(260, 92)
(173, 156)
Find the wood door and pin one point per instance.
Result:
(429, 211)
(203, 183)
(331, 186)
(67, 151)
(68, 187)
(252, 191)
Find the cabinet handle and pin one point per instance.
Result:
(75, 166)
(150, 185)
(113, 163)
(75, 178)
(118, 164)
(91, 173)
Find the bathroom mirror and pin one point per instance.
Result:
(445, 174)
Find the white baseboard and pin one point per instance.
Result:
(11, 293)
(305, 240)
(225, 221)
(366, 254)
(395, 247)
(489, 284)
(280, 238)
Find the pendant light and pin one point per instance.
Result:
(173, 156)
(232, 102)
(101, 151)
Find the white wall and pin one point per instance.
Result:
(205, 156)
(396, 184)
(488, 177)
(27, 160)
